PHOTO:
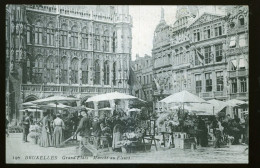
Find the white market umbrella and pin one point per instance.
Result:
(55, 99)
(28, 104)
(183, 97)
(218, 105)
(110, 96)
(31, 110)
(106, 108)
(235, 102)
(134, 109)
(53, 106)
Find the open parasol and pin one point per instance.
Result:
(110, 96)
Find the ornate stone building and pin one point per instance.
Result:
(222, 43)
(70, 50)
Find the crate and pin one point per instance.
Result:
(183, 143)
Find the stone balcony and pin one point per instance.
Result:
(37, 90)
(237, 50)
(241, 96)
(238, 73)
(213, 94)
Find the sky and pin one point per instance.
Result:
(145, 20)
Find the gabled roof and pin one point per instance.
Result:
(205, 17)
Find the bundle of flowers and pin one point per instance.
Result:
(35, 131)
(124, 143)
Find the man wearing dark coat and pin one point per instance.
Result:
(85, 147)
(26, 125)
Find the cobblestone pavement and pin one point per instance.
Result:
(19, 152)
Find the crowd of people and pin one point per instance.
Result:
(220, 129)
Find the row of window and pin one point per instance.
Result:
(208, 55)
(86, 38)
(208, 82)
(238, 41)
(38, 70)
(219, 83)
(146, 79)
(207, 32)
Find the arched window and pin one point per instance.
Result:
(50, 34)
(114, 42)
(38, 70)
(38, 33)
(97, 39)
(114, 73)
(64, 70)
(97, 72)
(85, 38)
(64, 36)
(50, 70)
(241, 20)
(106, 40)
(106, 73)
(74, 71)
(84, 71)
(74, 37)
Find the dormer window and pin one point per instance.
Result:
(241, 20)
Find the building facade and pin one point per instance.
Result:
(142, 68)
(69, 50)
(202, 52)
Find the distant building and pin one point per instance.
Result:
(70, 50)
(142, 67)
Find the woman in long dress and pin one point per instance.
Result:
(45, 139)
(58, 125)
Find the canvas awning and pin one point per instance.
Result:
(234, 63)
(232, 41)
(110, 96)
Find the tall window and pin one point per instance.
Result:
(50, 34)
(242, 40)
(38, 33)
(144, 79)
(219, 81)
(64, 36)
(196, 35)
(114, 73)
(64, 70)
(206, 32)
(38, 70)
(84, 71)
(28, 34)
(208, 78)
(218, 30)
(97, 40)
(234, 85)
(50, 70)
(74, 71)
(232, 43)
(198, 83)
(241, 20)
(106, 73)
(197, 61)
(218, 49)
(106, 40)
(243, 85)
(233, 65)
(97, 72)
(74, 37)
(207, 55)
(85, 38)
(114, 42)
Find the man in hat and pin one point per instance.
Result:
(86, 149)
(26, 125)
(96, 131)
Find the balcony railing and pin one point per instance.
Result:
(242, 72)
(71, 89)
(237, 50)
(211, 95)
(239, 95)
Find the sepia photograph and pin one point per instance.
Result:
(126, 84)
